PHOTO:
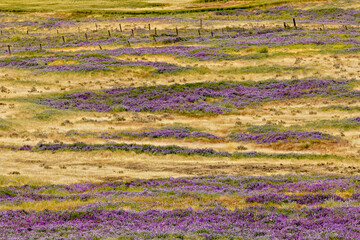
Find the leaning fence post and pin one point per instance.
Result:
(63, 38)
(294, 23)
(100, 47)
(109, 33)
(128, 42)
(120, 27)
(86, 36)
(9, 48)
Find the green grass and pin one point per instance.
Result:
(19, 181)
(261, 69)
(47, 115)
(339, 124)
(341, 108)
(5, 125)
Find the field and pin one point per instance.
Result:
(179, 119)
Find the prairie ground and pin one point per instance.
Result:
(25, 122)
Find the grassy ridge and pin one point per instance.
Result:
(129, 6)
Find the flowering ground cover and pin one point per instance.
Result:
(258, 134)
(270, 134)
(330, 15)
(160, 150)
(164, 150)
(210, 206)
(226, 45)
(214, 98)
(82, 63)
(165, 132)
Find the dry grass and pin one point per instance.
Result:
(75, 167)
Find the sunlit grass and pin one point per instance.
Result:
(6, 181)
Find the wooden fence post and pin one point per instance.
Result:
(9, 48)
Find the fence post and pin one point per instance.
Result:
(9, 48)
